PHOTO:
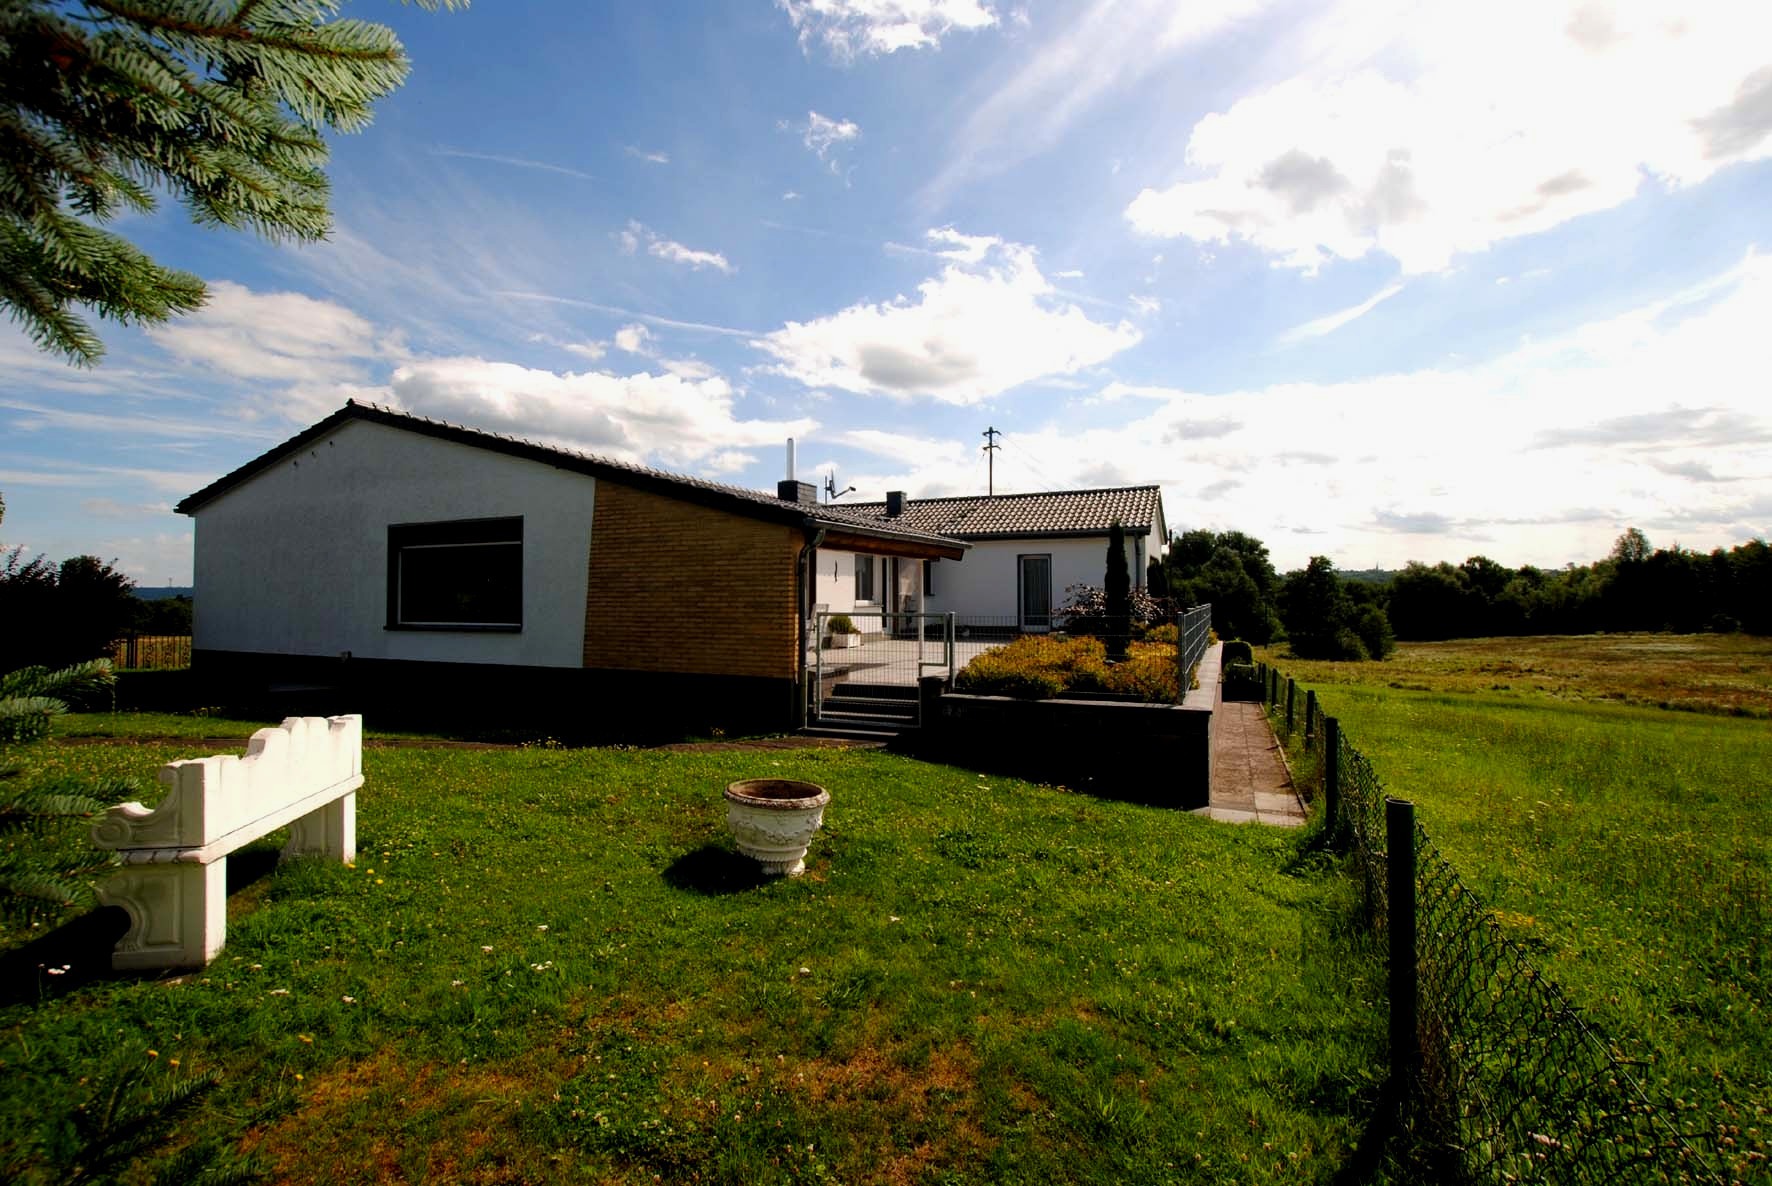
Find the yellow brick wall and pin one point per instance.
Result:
(683, 588)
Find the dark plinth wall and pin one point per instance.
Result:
(1148, 753)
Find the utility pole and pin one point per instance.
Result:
(990, 451)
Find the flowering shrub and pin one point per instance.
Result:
(1038, 668)
(1085, 609)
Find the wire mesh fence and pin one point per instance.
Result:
(1509, 1076)
(1193, 631)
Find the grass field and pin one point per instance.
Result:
(1628, 848)
(1722, 674)
(549, 965)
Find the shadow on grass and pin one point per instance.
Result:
(55, 963)
(78, 952)
(714, 870)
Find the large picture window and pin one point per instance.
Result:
(461, 575)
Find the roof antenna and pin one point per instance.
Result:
(990, 451)
(831, 493)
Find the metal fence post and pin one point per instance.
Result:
(1310, 718)
(1399, 838)
(1331, 777)
(949, 631)
(1291, 689)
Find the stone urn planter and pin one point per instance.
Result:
(774, 819)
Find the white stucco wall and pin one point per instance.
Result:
(985, 583)
(836, 580)
(295, 560)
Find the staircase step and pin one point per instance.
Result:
(874, 691)
(850, 733)
(906, 709)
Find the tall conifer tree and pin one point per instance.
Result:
(105, 104)
(1116, 586)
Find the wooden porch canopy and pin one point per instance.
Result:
(907, 547)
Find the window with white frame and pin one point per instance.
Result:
(462, 574)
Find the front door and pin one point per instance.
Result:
(1035, 593)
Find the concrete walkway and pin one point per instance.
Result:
(1250, 782)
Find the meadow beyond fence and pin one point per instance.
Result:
(162, 652)
(1492, 1064)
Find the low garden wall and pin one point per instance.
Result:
(1149, 753)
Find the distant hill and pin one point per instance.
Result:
(161, 592)
(1369, 576)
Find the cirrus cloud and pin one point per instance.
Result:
(851, 27)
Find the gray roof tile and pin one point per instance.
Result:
(1009, 516)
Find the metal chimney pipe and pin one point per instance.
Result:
(790, 459)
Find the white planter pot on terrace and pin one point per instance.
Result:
(841, 642)
(774, 819)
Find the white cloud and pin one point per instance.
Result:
(1660, 408)
(1322, 326)
(590, 350)
(635, 233)
(270, 337)
(987, 323)
(1146, 305)
(821, 133)
(641, 417)
(1423, 131)
(851, 27)
(651, 158)
(634, 339)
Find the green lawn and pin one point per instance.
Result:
(549, 965)
(1629, 849)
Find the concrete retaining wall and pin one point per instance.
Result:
(1149, 753)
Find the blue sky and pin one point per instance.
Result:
(1379, 281)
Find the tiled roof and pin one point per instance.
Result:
(754, 503)
(1009, 516)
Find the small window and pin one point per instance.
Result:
(864, 578)
(929, 577)
(460, 575)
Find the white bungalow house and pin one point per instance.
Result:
(383, 556)
(1026, 550)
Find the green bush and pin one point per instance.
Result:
(1237, 651)
(840, 624)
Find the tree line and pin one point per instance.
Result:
(1323, 614)
(54, 614)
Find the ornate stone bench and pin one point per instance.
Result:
(174, 879)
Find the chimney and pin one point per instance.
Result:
(790, 459)
(791, 491)
(894, 503)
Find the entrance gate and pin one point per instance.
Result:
(868, 677)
